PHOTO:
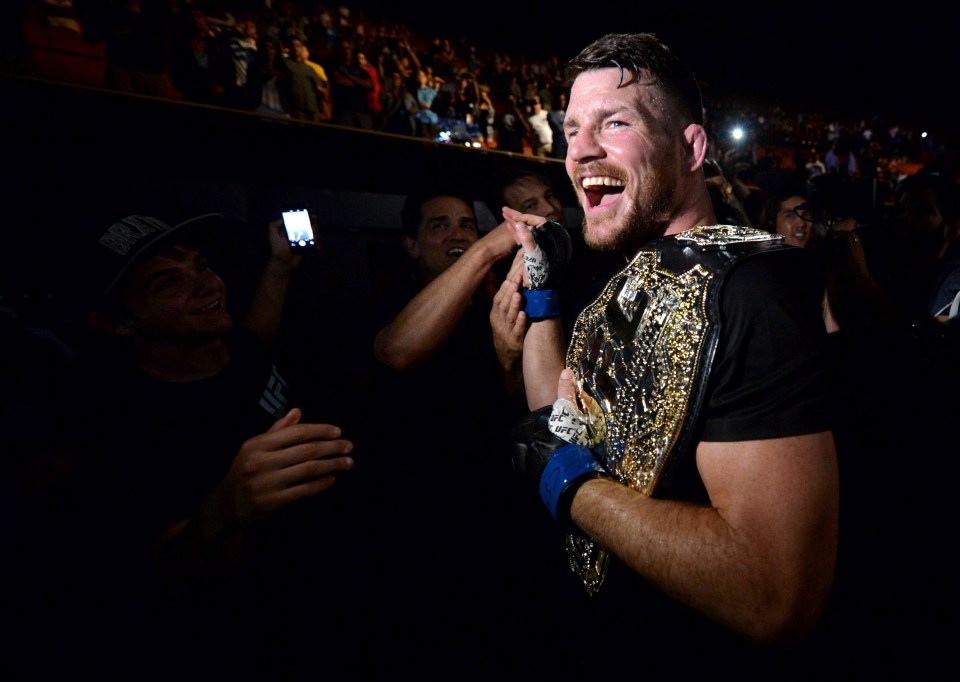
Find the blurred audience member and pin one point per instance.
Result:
(555, 116)
(487, 117)
(200, 468)
(196, 60)
(542, 133)
(916, 265)
(427, 119)
(399, 107)
(302, 87)
(791, 216)
(814, 166)
(887, 373)
(513, 130)
(323, 88)
(135, 35)
(374, 106)
(441, 383)
(350, 86)
(269, 79)
(241, 46)
(528, 191)
(726, 203)
(841, 159)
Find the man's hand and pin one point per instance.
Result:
(288, 463)
(507, 319)
(266, 306)
(548, 456)
(501, 240)
(280, 251)
(523, 225)
(547, 248)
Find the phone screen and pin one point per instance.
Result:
(299, 230)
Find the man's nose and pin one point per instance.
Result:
(205, 281)
(585, 146)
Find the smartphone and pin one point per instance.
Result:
(296, 221)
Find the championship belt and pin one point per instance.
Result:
(642, 351)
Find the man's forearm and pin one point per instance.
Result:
(431, 316)
(197, 550)
(266, 307)
(685, 550)
(759, 559)
(543, 360)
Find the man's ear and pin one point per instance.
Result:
(108, 325)
(411, 246)
(696, 138)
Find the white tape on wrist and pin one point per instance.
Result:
(568, 423)
(572, 424)
(537, 268)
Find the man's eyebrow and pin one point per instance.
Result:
(159, 274)
(173, 269)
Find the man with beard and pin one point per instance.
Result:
(682, 441)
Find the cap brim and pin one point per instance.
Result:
(185, 232)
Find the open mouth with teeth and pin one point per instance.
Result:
(210, 307)
(456, 251)
(601, 190)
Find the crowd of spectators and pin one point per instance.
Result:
(379, 73)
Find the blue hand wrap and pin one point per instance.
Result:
(540, 304)
(568, 466)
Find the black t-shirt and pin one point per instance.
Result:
(768, 380)
(154, 449)
(769, 373)
(455, 403)
(457, 572)
(151, 452)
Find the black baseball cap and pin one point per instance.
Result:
(131, 241)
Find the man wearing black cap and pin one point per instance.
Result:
(200, 466)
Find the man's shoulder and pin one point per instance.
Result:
(790, 275)
(317, 68)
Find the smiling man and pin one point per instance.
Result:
(442, 398)
(792, 217)
(699, 492)
(195, 456)
(453, 276)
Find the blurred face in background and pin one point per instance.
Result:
(248, 30)
(448, 227)
(794, 221)
(532, 195)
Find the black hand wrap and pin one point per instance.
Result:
(557, 246)
(545, 270)
(553, 466)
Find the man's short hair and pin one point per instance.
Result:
(497, 192)
(643, 53)
(411, 214)
(115, 251)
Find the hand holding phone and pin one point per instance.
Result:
(296, 222)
